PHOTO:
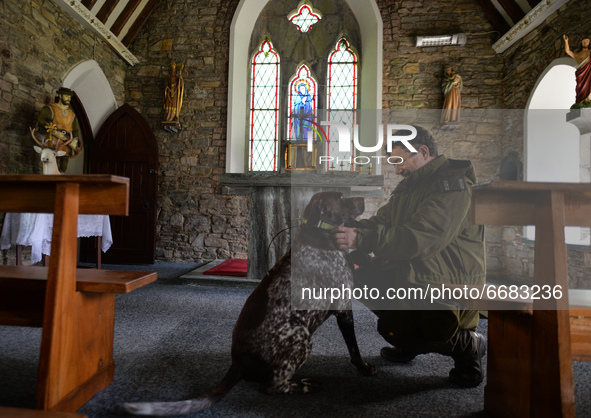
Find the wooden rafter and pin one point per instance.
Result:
(494, 16)
(139, 22)
(513, 10)
(105, 11)
(88, 3)
(124, 16)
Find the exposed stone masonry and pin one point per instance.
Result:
(39, 44)
(197, 34)
(196, 221)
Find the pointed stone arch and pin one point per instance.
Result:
(370, 24)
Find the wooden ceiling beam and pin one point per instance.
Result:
(139, 22)
(513, 10)
(533, 3)
(494, 16)
(124, 16)
(88, 3)
(105, 11)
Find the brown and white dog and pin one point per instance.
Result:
(271, 341)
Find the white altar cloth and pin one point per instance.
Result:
(35, 230)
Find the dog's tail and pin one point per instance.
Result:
(232, 377)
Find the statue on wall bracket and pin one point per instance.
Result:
(57, 123)
(173, 98)
(583, 72)
(451, 86)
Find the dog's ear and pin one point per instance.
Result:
(314, 209)
(322, 205)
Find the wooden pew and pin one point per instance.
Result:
(531, 348)
(75, 307)
(6, 412)
(511, 339)
(579, 314)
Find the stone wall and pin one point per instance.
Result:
(412, 76)
(196, 221)
(412, 80)
(39, 44)
(525, 62)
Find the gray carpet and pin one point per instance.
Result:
(172, 341)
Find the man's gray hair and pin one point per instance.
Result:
(423, 138)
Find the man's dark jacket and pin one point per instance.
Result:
(424, 235)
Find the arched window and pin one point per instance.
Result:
(264, 109)
(248, 26)
(302, 104)
(547, 131)
(341, 97)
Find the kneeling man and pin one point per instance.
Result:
(423, 238)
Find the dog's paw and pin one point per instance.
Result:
(309, 385)
(367, 369)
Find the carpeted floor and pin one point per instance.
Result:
(172, 342)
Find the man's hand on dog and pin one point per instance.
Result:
(345, 238)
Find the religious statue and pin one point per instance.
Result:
(582, 74)
(451, 87)
(65, 127)
(302, 114)
(173, 95)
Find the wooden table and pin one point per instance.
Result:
(75, 308)
(529, 357)
(35, 230)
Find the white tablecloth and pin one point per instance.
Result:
(35, 229)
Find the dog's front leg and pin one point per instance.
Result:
(345, 321)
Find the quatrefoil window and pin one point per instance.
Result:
(305, 16)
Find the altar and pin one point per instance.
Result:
(35, 230)
(277, 202)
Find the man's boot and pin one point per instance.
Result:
(467, 349)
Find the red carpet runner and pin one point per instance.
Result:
(231, 267)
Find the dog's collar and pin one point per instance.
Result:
(321, 224)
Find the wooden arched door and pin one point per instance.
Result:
(85, 129)
(125, 146)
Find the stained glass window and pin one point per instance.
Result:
(305, 16)
(302, 104)
(341, 98)
(264, 109)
